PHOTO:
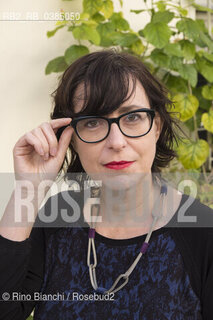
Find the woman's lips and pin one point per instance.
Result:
(118, 166)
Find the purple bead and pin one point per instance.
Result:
(144, 247)
(163, 189)
(91, 233)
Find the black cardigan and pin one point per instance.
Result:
(22, 263)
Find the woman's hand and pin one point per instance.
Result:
(38, 154)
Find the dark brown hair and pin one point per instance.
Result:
(105, 77)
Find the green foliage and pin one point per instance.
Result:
(189, 28)
(107, 8)
(175, 47)
(51, 33)
(74, 52)
(207, 120)
(157, 33)
(193, 154)
(207, 92)
(92, 6)
(186, 104)
(205, 67)
(86, 32)
(188, 49)
(56, 65)
(165, 16)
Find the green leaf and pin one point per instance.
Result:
(176, 84)
(204, 104)
(207, 120)
(193, 154)
(205, 68)
(207, 92)
(105, 30)
(173, 49)
(165, 16)
(123, 39)
(74, 52)
(141, 33)
(71, 28)
(188, 49)
(189, 72)
(182, 11)
(137, 11)
(208, 56)
(189, 27)
(51, 33)
(202, 26)
(186, 104)
(86, 32)
(92, 6)
(190, 123)
(56, 65)
(207, 40)
(157, 34)
(137, 47)
(84, 16)
(161, 5)
(97, 17)
(176, 63)
(160, 58)
(107, 8)
(200, 43)
(119, 22)
(89, 22)
(201, 8)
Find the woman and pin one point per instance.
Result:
(140, 261)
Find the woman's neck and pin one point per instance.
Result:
(141, 219)
(126, 211)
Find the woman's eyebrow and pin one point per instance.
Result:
(125, 109)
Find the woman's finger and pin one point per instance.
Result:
(38, 132)
(35, 142)
(58, 123)
(50, 137)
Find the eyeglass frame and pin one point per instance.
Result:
(116, 120)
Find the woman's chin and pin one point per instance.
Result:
(122, 181)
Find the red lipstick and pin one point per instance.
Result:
(118, 165)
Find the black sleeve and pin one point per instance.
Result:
(22, 262)
(196, 247)
(207, 292)
(21, 271)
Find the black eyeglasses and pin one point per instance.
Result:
(133, 124)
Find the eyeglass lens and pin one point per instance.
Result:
(132, 125)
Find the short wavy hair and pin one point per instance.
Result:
(105, 77)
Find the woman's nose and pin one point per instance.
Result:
(116, 139)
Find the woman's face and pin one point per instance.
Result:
(117, 147)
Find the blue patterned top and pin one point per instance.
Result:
(158, 288)
(173, 280)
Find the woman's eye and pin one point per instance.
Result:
(133, 117)
(91, 123)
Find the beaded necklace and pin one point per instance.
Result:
(125, 276)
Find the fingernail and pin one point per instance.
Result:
(46, 156)
(53, 151)
(41, 151)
